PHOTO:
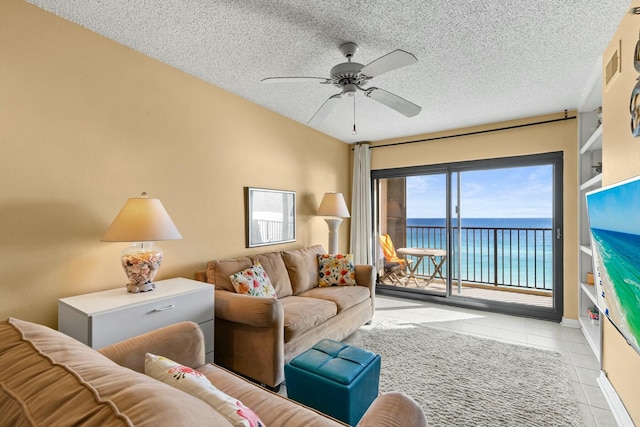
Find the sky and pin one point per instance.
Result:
(616, 208)
(522, 192)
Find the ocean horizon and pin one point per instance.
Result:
(485, 222)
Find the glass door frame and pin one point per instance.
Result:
(555, 159)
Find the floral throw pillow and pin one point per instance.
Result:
(196, 384)
(253, 281)
(336, 270)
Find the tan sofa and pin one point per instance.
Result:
(257, 336)
(50, 379)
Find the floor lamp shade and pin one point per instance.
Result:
(141, 221)
(333, 205)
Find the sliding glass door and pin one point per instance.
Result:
(483, 233)
(412, 230)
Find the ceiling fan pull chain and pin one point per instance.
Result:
(354, 115)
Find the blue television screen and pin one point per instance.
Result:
(614, 221)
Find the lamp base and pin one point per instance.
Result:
(333, 224)
(141, 262)
(134, 289)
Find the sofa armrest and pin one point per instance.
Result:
(366, 276)
(393, 410)
(201, 276)
(182, 342)
(248, 310)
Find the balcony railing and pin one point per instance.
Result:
(515, 257)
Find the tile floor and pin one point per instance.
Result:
(582, 365)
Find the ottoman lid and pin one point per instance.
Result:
(335, 361)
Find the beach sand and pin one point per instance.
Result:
(604, 284)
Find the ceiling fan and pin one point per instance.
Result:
(352, 76)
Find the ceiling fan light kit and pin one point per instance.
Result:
(350, 77)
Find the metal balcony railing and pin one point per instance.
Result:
(515, 257)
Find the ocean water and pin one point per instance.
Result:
(485, 222)
(619, 253)
(503, 251)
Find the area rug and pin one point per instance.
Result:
(462, 380)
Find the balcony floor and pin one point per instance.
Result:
(515, 296)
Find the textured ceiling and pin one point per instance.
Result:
(479, 61)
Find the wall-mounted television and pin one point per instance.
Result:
(614, 221)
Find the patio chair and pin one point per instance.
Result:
(395, 268)
(394, 273)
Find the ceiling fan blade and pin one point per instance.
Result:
(294, 79)
(391, 100)
(391, 61)
(324, 109)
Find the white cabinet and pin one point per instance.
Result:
(589, 178)
(102, 318)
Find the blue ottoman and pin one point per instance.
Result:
(335, 378)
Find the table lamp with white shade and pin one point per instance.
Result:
(141, 221)
(333, 205)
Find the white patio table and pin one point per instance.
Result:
(420, 254)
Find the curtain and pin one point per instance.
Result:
(361, 229)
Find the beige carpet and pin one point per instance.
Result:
(461, 380)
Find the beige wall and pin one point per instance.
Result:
(86, 123)
(621, 160)
(552, 137)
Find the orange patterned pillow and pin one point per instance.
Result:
(336, 270)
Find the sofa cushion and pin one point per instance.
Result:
(253, 281)
(48, 378)
(344, 297)
(219, 271)
(302, 265)
(303, 314)
(196, 384)
(273, 264)
(336, 270)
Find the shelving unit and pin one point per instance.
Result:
(590, 155)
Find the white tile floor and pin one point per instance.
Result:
(582, 365)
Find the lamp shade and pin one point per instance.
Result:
(142, 220)
(333, 205)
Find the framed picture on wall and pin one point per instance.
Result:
(270, 216)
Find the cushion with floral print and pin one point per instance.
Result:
(253, 281)
(196, 384)
(336, 270)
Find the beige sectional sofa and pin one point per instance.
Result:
(50, 379)
(256, 336)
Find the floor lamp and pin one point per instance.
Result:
(333, 205)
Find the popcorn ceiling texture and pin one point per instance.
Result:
(480, 61)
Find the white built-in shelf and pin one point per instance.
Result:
(596, 181)
(590, 291)
(591, 333)
(594, 142)
(589, 154)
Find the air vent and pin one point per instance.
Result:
(613, 66)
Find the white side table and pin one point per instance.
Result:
(102, 318)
